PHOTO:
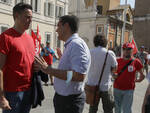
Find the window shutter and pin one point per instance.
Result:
(62, 11)
(51, 9)
(38, 6)
(46, 8)
(57, 11)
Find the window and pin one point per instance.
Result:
(49, 9)
(59, 11)
(128, 17)
(6, 1)
(99, 9)
(62, 0)
(36, 5)
(48, 37)
(58, 42)
(110, 44)
(99, 29)
(112, 26)
(18, 1)
(3, 28)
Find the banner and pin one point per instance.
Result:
(37, 40)
(135, 50)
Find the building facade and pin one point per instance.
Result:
(103, 16)
(45, 15)
(141, 24)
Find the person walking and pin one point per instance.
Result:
(16, 62)
(72, 70)
(142, 55)
(50, 57)
(124, 84)
(98, 55)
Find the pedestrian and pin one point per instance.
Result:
(142, 55)
(98, 55)
(51, 56)
(146, 101)
(72, 70)
(49, 60)
(16, 62)
(124, 84)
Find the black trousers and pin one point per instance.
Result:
(69, 104)
(147, 106)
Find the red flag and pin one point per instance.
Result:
(33, 36)
(135, 50)
(36, 42)
(38, 38)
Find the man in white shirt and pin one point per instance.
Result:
(146, 101)
(98, 55)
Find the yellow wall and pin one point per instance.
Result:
(108, 4)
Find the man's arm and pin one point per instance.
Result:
(114, 70)
(62, 74)
(142, 76)
(4, 104)
(145, 98)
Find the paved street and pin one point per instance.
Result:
(47, 105)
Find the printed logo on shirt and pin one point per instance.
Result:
(130, 68)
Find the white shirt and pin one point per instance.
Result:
(76, 57)
(148, 77)
(97, 60)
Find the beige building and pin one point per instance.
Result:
(141, 24)
(103, 16)
(45, 15)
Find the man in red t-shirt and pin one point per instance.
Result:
(124, 84)
(16, 62)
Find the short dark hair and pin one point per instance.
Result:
(20, 7)
(72, 20)
(100, 40)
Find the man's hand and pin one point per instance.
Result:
(59, 53)
(142, 76)
(4, 104)
(40, 64)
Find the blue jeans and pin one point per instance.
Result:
(18, 101)
(123, 100)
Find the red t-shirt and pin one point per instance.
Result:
(20, 51)
(48, 59)
(126, 81)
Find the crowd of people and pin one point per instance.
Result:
(18, 62)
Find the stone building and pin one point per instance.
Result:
(103, 16)
(141, 24)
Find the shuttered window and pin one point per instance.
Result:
(49, 9)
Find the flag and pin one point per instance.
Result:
(36, 41)
(135, 50)
(38, 38)
(33, 36)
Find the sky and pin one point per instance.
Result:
(131, 2)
